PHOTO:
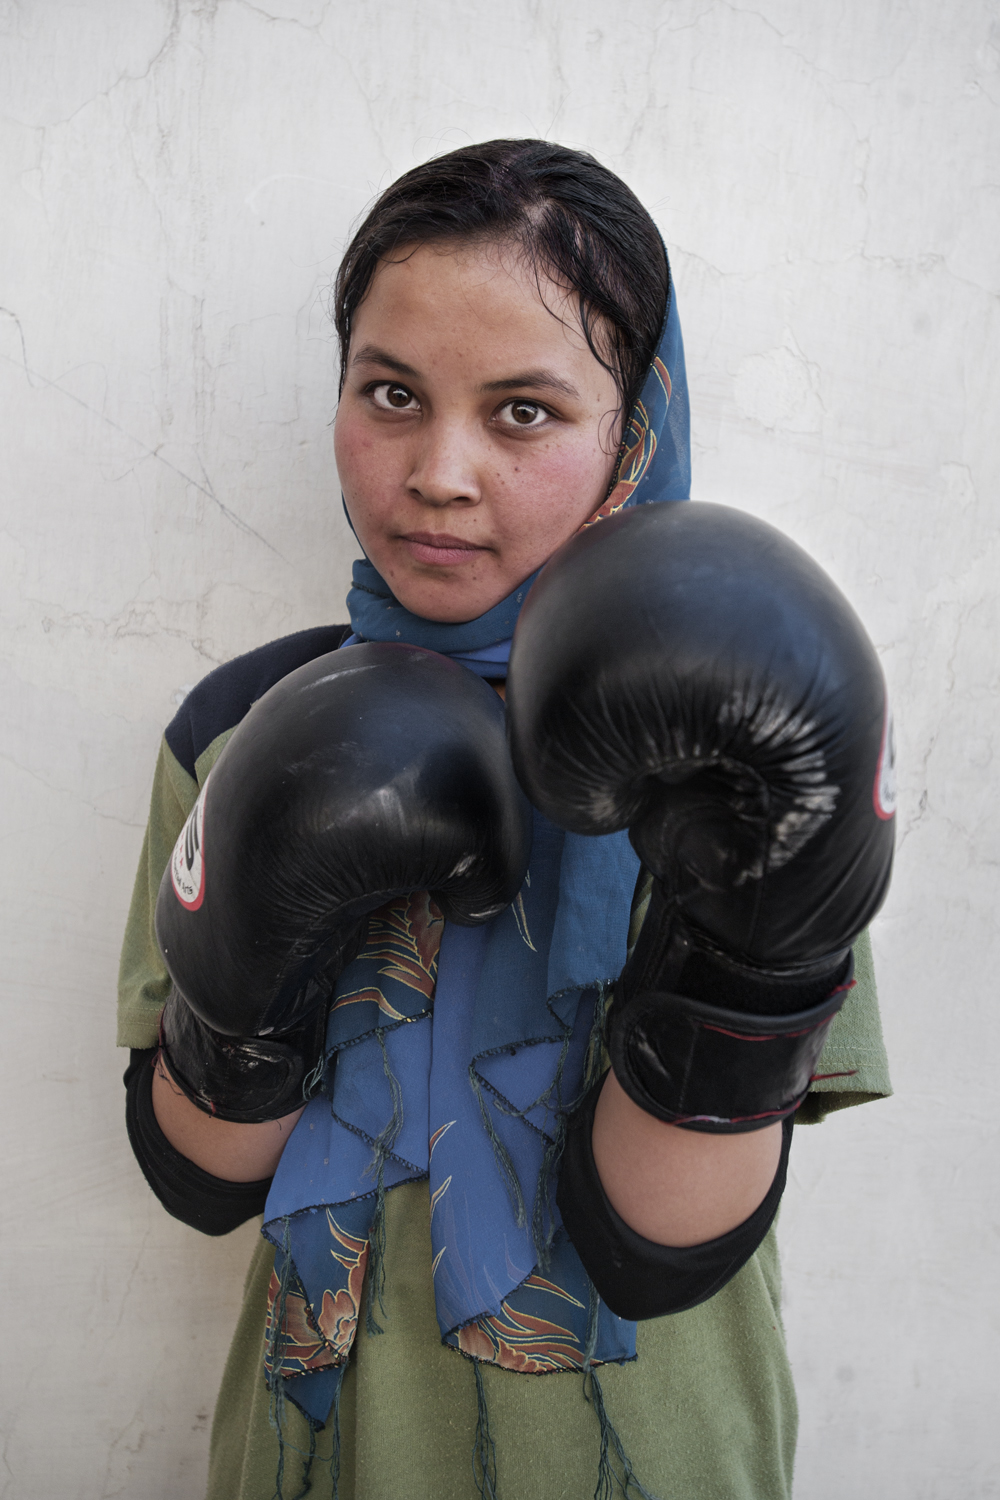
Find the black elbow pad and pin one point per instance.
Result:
(198, 1199)
(635, 1277)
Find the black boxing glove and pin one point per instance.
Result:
(364, 775)
(687, 672)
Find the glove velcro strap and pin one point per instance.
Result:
(717, 1070)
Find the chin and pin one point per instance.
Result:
(435, 605)
(442, 614)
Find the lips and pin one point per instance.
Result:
(440, 548)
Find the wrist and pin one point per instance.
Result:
(674, 1186)
(225, 1149)
(636, 1276)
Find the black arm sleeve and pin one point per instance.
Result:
(195, 1197)
(635, 1277)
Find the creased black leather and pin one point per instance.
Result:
(715, 1070)
(687, 672)
(364, 775)
(699, 1039)
(243, 1079)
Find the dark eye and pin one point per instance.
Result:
(393, 397)
(525, 413)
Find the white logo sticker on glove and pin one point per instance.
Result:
(884, 790)
(187, 863)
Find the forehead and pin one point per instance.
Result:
(476, 304)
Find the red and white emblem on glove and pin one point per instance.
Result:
(187, 863)
(884, 790)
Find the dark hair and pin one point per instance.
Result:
(571, 219)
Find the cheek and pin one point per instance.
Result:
(353, 450)
(366, 474)
(370, 467)
(557, 491)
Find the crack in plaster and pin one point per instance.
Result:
(204, 486)
(143, 619)
(133, 1448)
(811, 63)
(259, 10)
(131, 1276)
(65, 791)
(123, 77)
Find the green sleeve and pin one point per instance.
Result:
(142, 976)
(853, 1068)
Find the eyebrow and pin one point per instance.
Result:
(371, 354)
(535, 380)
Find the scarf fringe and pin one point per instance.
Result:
(543, 1225)
(384, 1143)
(333, 1462)
(335, 1455)
(615, 1472)
(275, 1353)
(502, 1156)
(616, 1475)
(484, 1453)
(612, 1446)
(276, 1339)
(276, 1417)
(313, 1080)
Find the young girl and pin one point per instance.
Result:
(512, 374)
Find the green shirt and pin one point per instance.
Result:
(706, 1412)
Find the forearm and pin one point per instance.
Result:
(674, 1186)
(234, 1152)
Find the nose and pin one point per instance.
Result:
(445, 471)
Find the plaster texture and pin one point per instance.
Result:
(178, 180)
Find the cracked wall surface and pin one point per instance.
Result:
(177, 181)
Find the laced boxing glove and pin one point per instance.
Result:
(687, 672)
(364, 775)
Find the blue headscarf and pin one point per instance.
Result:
(455, 1053)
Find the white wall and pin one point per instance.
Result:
(178, 180)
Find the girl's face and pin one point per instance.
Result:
(476, 431)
